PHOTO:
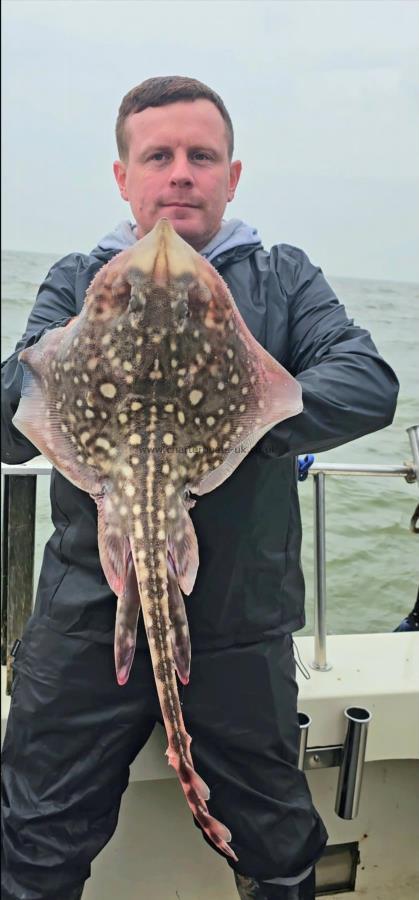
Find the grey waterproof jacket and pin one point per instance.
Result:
(250, 584)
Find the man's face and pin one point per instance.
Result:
(178, 167)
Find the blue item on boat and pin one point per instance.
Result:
(304, 463)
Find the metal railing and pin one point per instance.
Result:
(19, 530)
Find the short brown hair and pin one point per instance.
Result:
(160, 92)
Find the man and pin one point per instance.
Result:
(67, 750)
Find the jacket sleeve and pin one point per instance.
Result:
(55, 305)
(348, 389)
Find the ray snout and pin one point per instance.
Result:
(164, 256)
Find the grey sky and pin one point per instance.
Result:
(324, 97)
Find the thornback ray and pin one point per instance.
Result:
(156, 390)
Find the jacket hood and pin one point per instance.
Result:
(233, 233)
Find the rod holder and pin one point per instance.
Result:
(352, 766)
(304, 721)
(413, 434)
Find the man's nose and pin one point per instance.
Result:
(181, 172)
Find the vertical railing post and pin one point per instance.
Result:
(19, 502)
(413, 434)
(319, 504)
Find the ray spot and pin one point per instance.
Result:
(89, 414)
(134, 439)
(245, 391)
(129, 489)
(210, 420)
(108, 390)
(220, 385)
(103, 443)
(136, 405)
(181, 417)
(168, 439)
(195, 396)
(127, 365)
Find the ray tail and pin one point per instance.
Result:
(150, 562)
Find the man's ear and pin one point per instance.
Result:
(120, 172)
(235, 172)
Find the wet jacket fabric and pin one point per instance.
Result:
(249, 585)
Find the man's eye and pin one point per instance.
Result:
(202, 155)
(158, 155)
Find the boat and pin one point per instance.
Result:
(359, 747)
